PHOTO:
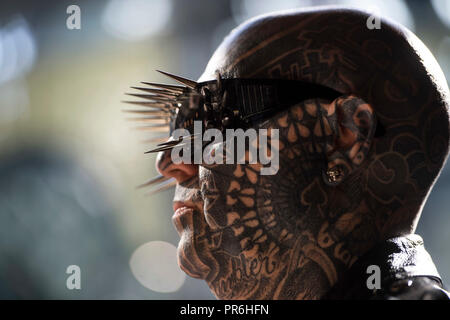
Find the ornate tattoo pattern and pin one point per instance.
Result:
(291, 235)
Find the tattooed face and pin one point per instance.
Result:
(352, 172)
(252, 236)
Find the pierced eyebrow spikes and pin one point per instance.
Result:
(188, 83)
(220, 103)
(161, 105)
(158, 184)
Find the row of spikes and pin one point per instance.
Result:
(163, 103)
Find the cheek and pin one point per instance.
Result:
(235, 205)
(215, 183)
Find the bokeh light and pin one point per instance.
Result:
(17, 49)
(442, 9)
(246, 9)
(397, 10)
(154, 265)
(136, 20)
(394, 9)
(443, 57)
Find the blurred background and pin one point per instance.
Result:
(69, 161)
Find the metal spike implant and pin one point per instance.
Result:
(160, 149)
(156, 105)
(156, 113)
(171, 142)
(151, 97)
(155, 120)
(168, 145)
(165, 100)
(187, 82)
(157, 179)
(168, 87)
(158, 127)
(163, 186)
(165, 148)
(159, 92)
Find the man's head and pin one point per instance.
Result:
(353, 170)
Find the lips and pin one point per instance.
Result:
(180, 211)
(179, 207)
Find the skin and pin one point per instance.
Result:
(292, 235)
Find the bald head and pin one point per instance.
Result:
(353, 171)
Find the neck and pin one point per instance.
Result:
(315, 266)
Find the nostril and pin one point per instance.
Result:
(180, 174)
(189, 169)
(181, 171)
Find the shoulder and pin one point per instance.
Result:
(414, 288)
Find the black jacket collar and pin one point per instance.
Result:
(398, 258)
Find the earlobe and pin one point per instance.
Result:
(356, 124)
(335, 175)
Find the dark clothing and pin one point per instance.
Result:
(406, 271)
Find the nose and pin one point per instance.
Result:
(181, 171)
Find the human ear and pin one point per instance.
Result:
(355, 124)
